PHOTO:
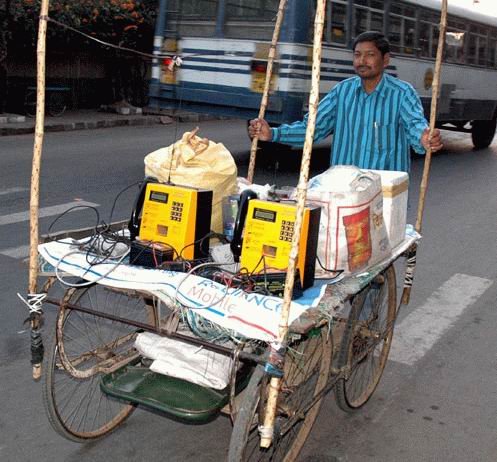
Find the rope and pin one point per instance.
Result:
(410, 268)
(266, 432)
(34, 302)
(173, 60)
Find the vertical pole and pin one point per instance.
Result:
(161, 23)
(220, 18)
(160, 28)
(274, 385)
(267, 84)
(35, 170)
(411, 261)
(433, 115)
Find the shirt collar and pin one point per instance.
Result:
(380, 88)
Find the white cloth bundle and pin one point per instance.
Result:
(184, 361)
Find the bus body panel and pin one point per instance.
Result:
(225, 76)
(217, 76)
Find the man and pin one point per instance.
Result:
(374, 117)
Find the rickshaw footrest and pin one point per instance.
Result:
(182, 400)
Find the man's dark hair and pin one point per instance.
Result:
(377, 38)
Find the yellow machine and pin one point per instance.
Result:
(268, 237)
(178, 216)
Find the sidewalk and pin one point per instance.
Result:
(86, 119)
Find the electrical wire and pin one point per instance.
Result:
(338, 272)
(188, 274)
(87, 283)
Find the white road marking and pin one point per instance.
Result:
(12, 190)
(43, 212)
(420, 330)
(16, 252)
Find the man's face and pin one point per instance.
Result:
(368, 61)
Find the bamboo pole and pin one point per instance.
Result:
(411, 260)
(274, 386)
(267, 85)
(35, 169)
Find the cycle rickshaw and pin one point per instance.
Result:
(94, 377)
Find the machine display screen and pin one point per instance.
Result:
(265, 215)
(158, 196)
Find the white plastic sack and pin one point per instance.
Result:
(185, 361)
(262, 191)
(199, 163)
(352, 233)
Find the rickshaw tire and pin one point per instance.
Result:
(251, 402)
(50, 401)
(342, 397)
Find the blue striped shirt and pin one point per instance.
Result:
(370, 131)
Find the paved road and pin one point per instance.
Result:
(437, 398)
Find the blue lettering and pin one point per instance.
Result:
(258, 299)
(276, 304)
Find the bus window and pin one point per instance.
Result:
(368, 15)
(402, 29)
(482, 51)
(360, 21)
(204, 9)
(435, 32)
(376, 22)
(424, 39)
(482, 48)
(477, 50)
(376, 4)
(195, 18)
(394, 35)
(259, 10)
(250, 19)
(409, 36)
(338, 15)
(472, 49)
(492, 48)
(454, 46)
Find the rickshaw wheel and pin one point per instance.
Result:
(83, 345)
(366, 341)
(306, 372)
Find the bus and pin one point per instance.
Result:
(224, 46)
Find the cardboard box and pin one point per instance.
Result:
(395, 194)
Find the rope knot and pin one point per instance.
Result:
(34, 302)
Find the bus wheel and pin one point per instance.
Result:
(482, 132)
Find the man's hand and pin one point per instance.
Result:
(435, 144)
(261, 129)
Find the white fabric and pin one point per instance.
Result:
(252, 315)
(185, 361)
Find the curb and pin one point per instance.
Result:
(63, 127)
(148, 118)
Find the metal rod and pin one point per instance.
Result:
(274, 385)
(157, 330)
(411, 261)
(267, 85)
